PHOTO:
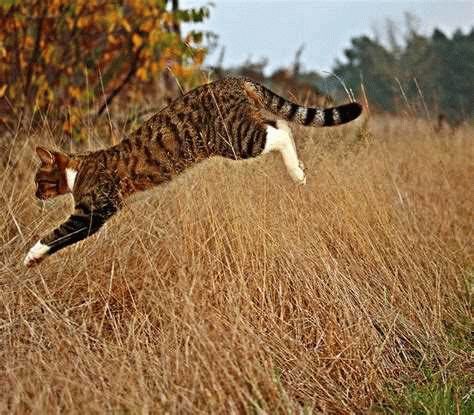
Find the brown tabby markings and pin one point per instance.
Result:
(222, 118)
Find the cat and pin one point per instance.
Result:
(223, 118)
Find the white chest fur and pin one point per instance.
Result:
(71, 178)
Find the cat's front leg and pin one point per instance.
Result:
(88, 217)
(36, 254)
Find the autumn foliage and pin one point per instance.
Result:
(72, 56)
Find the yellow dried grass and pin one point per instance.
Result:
(231, 290)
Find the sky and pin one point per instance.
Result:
(276, 28)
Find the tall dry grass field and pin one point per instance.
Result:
(231, 290)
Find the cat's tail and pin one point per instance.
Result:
(299, 114)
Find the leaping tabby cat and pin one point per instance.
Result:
(223, 118)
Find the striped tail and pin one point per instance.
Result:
(314, 117)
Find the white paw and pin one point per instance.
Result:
(36, 254)
(301, 165)
(298, 176)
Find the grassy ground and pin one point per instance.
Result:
(231, 290)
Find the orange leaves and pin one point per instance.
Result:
(126, 25)
(137, 41)
(3, 88)
(71, 55)
(147, 25)
(113, 40)
(71, 122)
(182, 72)
(154, 67)
(199, 56)
(155, 36)
(142, 74)
(82, 22)
(74, 92)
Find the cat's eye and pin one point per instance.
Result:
(46, 189)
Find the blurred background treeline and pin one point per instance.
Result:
(75, 59)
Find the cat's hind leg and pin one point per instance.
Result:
(284, 126)
(280, 139)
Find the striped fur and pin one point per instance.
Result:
(223, 118)
(314, 117)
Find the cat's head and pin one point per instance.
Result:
(51, 178)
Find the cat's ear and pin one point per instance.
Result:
(61, 159)
(45, 155)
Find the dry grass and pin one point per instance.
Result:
(231, 290)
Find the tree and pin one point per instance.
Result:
(454, 74)
(64, 56)
(371, 63)
(428, 73)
